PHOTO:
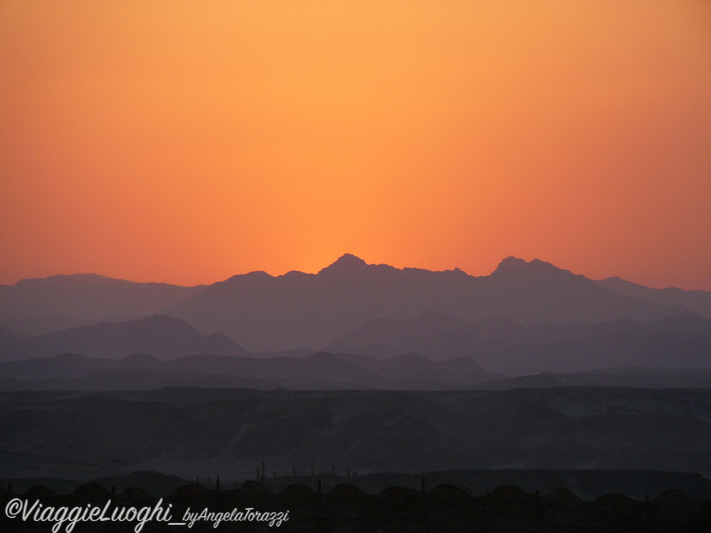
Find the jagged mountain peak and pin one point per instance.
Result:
(346, 264)
(516, 267)
(254, 276)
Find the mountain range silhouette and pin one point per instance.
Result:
(368, 367)
(441, 315)
(263, 312)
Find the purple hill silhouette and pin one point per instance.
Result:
(161, 336)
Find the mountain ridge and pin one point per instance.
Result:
(161, 336)
(300, 310)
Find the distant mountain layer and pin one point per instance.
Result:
(323, 371)
(88, 297)
(695, 301)
(297, 310)
(320, 371)
(161, 336)
(465, 352)
(191, 432)
(631, 377)
(277, 313)
(8, 338)
(504, 346)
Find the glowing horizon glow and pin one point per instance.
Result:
(188, 142)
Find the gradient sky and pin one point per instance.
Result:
(187, 141)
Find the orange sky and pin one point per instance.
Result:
(189, 141)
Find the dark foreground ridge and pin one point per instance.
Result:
(193, 432)
(346, 508)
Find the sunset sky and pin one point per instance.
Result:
(187, 141)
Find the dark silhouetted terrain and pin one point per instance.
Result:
(319, 371)
(195, 432)
(532, 376)
(344, 508)
(587, 485)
